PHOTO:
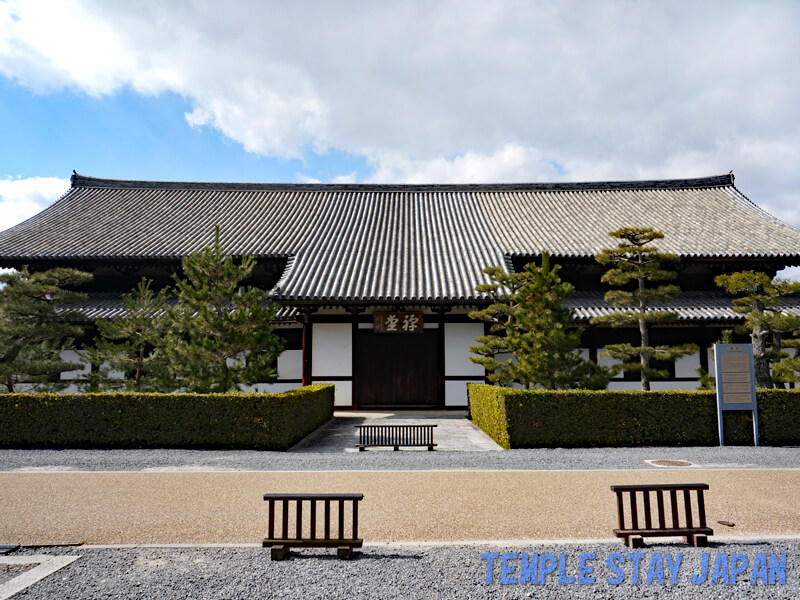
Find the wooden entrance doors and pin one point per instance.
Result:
(397, 370)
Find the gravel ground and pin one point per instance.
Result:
(10, 571)
(395, 572)
(729, 457)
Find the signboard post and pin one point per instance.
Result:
(736, 383)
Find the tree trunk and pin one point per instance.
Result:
(644, 356)
(645, 340)
(760, 360)
(777, 346)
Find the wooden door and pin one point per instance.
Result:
(397, 370)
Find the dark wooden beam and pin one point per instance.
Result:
(307, 347)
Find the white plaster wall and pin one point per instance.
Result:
(75, 356)
(657, 386)
(458, 337)
(660, 386)
(344, 393)
(455, 392)
(425, 325)
(607, 361)
(290, 364)
(113, 374)
(332, 347)
(617, 386)
(711, 365)
(686, 366)
(271, 388)
(504, 356)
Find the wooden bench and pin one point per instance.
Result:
(656, 524)
(307, 534)
(395, 436)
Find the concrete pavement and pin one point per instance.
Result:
(453, 431)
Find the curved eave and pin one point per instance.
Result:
(123, 257)
(713, 181)
(589, 255)
(376, 300)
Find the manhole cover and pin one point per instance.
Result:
(670, 463)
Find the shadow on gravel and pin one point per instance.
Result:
(357, 555)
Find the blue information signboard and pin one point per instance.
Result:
(736, 382)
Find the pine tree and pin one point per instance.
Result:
(543, 340)
(537, 330)
(35, 327)
(493, 351)
(636, 260)
(222, 334)
(787, 370)
(130, 344)
(759, 299)
(707, 380)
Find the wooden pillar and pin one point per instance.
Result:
(591, 340)
(354, 312)
(440, 312)
(307, 350)
(704, 347)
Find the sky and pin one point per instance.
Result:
(398, 91)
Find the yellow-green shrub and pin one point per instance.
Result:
(583, 418)
(133, 420)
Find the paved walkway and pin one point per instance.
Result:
(453, 431)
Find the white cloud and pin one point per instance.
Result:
(792, 274)
(510, 163)
(266, 104)
(23, 198)
(347, 178)
(457, 90)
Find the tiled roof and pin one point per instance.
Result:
(107, 305)
(369, 242)
(696, 221)
(690, 306)
(393, 246)
(101, 222)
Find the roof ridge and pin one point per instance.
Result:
(725, 180)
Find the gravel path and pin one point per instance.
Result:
(405, 572)
(10, 571)
(729, 457)
(228, 507)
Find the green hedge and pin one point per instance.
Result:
(131, 420)
(582, 418)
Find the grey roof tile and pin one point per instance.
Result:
(689, 306)
(359, 242)
(107, 305)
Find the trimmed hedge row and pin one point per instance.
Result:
(583, 418)
(131, 420)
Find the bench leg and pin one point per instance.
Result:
(278, 552)
(430, 448)
(344, 552)
(396, 448)
(361, 448)
(698, 541)
(634, 541)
